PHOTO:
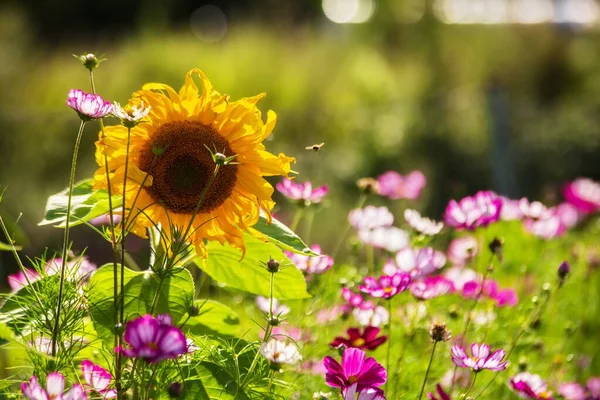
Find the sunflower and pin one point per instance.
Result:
(170, 164)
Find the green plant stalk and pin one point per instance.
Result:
(464, 396)
(66, 239)
(389, 346)
(297, 217)
(124, 234)
(183, 238)
(428, 368)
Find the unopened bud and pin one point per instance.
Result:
(439, 333)
(368, 185)
(272, 266)
(220, 158)
(175, 390)
(563, 271)
(193, 311)
(89, 61)
(495, 247)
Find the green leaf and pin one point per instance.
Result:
(6, 334)
(218, 383)
(213, 318)
(283, 236)
(8, 247)
(86, 203)
(175, 296)
(250, 274)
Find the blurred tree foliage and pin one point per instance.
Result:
(508, 107)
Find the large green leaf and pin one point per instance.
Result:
(250, 274)
(86, 203)
(283, 236)
(175, 296)
(213, 318)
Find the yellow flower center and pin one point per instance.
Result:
(178, 159)
(352, 379)
(388, 290)
(358, 342)
(152, 346)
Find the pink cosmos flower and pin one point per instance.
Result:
(311, 265)
(473, 212)
(355, 299)
(430, 287)
(481, 358)
(79, 269)
(365, 340)
(575, 391)
(462, 250)
(460, 277)
(396, 186)
(370, 217)
(510, 209)
(503, 297)
(418, 263)
(540, 220)
(98, 379)
(365, 394)
(153, 339)
(386, 286)
(264, 304)
(530, 386)
(568, 214)
(371, 316)
(355, 369)
(584, 194)
(55, 387)
(327, 315)
(389, 238)
(421, 224)
(440, 392)
(89, 106)
(303, 192)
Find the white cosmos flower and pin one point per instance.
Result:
(421, 224)
(264, 303)
(132, 116)
(280, 352)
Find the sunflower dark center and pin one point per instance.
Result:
(181, 166)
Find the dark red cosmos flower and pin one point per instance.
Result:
(367, 340)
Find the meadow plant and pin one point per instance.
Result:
(226, 301)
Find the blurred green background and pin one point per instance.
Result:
(473, 95)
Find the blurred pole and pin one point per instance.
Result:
(503, 168)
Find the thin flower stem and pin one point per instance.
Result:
(471, 309)
(428, 368)
(66, 239)
(471, 386)
(124, 234)
(297, 217)
(308, 222)
(517, 336)
(389, 346)
(370, 259)
(338, 247)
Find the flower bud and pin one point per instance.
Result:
(272, 266)
(89, 61)
(563, 271)
(175, 390)
(193, 311)
(495, 247)
(368, 185)
(439, 333)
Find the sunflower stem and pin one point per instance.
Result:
(66, 239)
(428, 368)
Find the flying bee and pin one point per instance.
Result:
(315, 147)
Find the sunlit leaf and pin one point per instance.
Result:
(283, 236)
(213, 318)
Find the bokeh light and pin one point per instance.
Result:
(209, 23)
(349, 11)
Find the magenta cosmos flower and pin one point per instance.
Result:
(430, 287)
(386, 286)
(154, 339)
(365, 340)
(472, 212)
(503, 297)
(396, 186)
(584, 194)
(530, 386)
(575, 391)
(55, 389)
(98, 379)
(302, 192)
(311, 265)
(480, 358)
(365, 394)
(440, 392)
(89, 106)
(355, 369)
(78, 269)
